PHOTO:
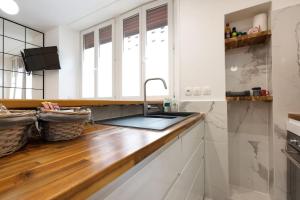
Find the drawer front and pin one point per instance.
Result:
(191, 140)
(197, 190)
(185, 181)
(154, 180)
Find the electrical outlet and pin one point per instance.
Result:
(188, 91)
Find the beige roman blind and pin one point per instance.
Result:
(88, 40)
(131, 26)
(105, 34)
(157, 17)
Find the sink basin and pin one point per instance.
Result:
(176, 114)
(154, 121)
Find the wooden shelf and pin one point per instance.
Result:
(247, 40)
(251, 98)
(294, 116)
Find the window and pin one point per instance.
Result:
(141, 48)
(105, 63)
(157, 49)
(88, 68)
(131, 57)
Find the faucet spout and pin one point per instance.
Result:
(145, 92)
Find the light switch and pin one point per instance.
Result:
(207, 90)
(197, 91)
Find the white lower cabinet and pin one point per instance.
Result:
(197, 189)
(153, 181)
(191, 140)
(177, 173)
(184, 183)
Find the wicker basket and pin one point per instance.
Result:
(14, 129)
(59, 125)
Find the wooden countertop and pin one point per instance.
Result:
(22, 103)
(294, 116)
(76, 169)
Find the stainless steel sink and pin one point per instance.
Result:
(154, 121)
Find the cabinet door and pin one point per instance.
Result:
(185, 181)
(197, 190)
(191, 140)
(153, 181)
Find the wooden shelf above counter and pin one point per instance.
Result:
(246, 40)
(251, 98)
(22, 103)
(294, 116)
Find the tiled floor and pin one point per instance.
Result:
(238, 193)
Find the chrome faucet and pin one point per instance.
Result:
(145, 92)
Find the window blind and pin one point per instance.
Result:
(157, 17)
(105, 34)
(88, 40)
(131, 26)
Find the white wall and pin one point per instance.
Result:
(201, 48)
(52, 77)
(64, 83)
(69, 75)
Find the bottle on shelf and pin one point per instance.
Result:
(234, 32)
(227, 31)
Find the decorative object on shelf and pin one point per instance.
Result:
(246, 40)
(261, 21)
(251, 98)
(234, 32)
(256, 91)
(238, 94)
(227, 31)
(254, 30)
(264, 92)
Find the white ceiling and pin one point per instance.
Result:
(78, 14)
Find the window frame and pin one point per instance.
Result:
(96, 29)
(171, 66)
(117, 42)
(82, 55)
(120, 51)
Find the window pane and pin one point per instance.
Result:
(105, 64)
(131, 74)
(88, 67)
(34, 37)
(14, 30)
(157, 50)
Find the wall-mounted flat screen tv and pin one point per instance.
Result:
(44, 58)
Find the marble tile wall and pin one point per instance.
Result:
(249, 122)
(248, 125)
(216, 146)
(286, 87)
(248, 67)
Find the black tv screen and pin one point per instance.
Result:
(44, 58)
